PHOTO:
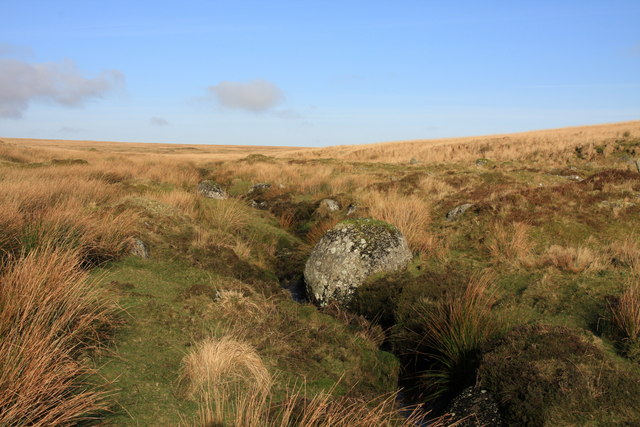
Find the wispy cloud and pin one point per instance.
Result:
(255, 96)
(69, 129)
(158, 121)
(22, 83)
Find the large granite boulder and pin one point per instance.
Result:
(349, 253)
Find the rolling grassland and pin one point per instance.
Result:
(531, 293)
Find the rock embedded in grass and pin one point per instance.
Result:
(329, 205)
(349, 253)
(211, 190)
(258, 189)
(139, 248)
(456, 212)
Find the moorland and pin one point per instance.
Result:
(128, 298)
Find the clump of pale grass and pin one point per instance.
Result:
(625, 313)
(223, 365)
(225, 215)
(409, 213)
(626, 252)
(50, 316)
(509, 243)
(185, 201)
(250, 408)
(573, 259)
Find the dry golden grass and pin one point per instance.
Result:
(49, 316)
(410, 214)
(509, 243)
(221, 365)
(541, 145)
(318, 230)
(626, 312)
(228, 215)
(250, 408)
(626, 252)
(575, 260)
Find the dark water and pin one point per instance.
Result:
(297, 288)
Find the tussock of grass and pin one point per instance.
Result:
(50, 315)
(625, 313)
(509, 243)
(218, 364)
(447, 336)
(409, 213)
(572, 259)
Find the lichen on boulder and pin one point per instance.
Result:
(349, 253)
(211, 190)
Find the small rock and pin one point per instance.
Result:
(259, 204)
(414, 161)
(482, 162)
(351, 209)
(139, 249)
(474, 407)
(211, 190)
(258, 188)
(457, 211)
(329, 205)
(615, 204)
(576, 178)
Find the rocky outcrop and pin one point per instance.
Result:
(456, 212)
(348, 254)
(211, 190)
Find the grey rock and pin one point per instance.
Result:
(259, 188)
(348, 254)
(414, 161)
(482, 162)
(351, 209)
(259, 204)
(211, 190)
(139, 248)
(576, 178)
(329, 205)
(474, 407)
(615, 204)
(454, 213)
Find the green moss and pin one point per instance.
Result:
(367, 224)
(558, 376)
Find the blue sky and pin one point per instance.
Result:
(313, 73)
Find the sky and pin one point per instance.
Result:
(302, 73)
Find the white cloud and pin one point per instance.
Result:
(255, 96)
(158, 121)
(22, 83)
